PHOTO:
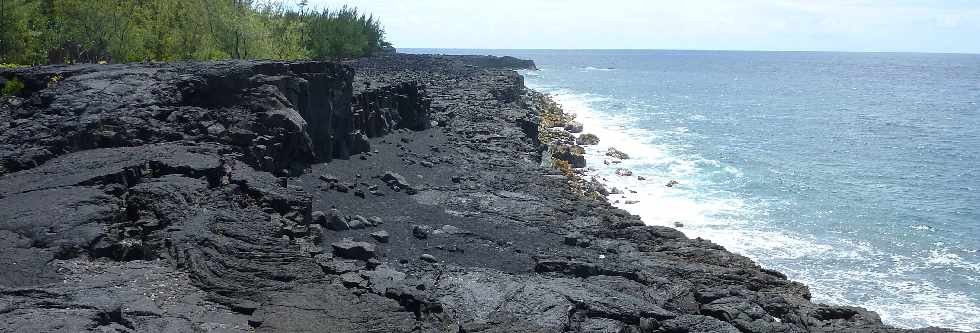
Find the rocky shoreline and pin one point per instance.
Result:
(393, 194)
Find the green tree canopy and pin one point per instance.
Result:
(67, 31)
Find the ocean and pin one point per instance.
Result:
(857, 174)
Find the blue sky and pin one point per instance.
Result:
(818, 25)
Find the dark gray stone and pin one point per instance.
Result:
(358, 222)
(348, 248)
(381, 236)
(392, 178)
(615, 153)
(421, 231)
(574, 127)
(329, 179)
(587, 139)
(335, 222)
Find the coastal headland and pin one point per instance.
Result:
(399, 193)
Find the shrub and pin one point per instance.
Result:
(12, 87)
(54, 79)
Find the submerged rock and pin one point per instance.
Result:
(615, 153)
(587, 139)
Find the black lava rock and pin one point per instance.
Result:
(353, 250)
(381, 236)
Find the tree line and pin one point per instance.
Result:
(70, 31)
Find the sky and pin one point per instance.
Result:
(787, 25)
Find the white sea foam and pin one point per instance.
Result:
(658, 204)
(943, 258)
(922, 227)
(739, 224)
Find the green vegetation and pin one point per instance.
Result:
(12, 87)
(68, 31)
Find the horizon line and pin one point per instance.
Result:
(703, 50)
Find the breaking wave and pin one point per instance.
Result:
(838, 271)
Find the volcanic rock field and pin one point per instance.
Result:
(401, 193)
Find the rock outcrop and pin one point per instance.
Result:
(392, 194)
(277, 115)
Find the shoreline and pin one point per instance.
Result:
(398, 193)
(615, 185)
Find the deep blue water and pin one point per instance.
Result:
(855, 173)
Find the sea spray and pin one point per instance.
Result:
(699, 207)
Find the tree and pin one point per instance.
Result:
(67, 31)
(3, 28)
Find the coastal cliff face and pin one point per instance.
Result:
(278, 115)
(392, 194)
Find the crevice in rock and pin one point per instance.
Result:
(581, 269)
(112, 316)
